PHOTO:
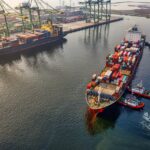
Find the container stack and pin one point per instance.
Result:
(10, 42)
(43, 33)
(121, 63)
(125, 54)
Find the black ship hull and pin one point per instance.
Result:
(29, 46)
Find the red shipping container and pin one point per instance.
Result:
(116, 67)
(114, 75)
(89, 85)
(125, 58)
(119, 74)
(121, 78)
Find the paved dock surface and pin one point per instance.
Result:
(80, 25)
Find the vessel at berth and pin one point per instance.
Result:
(108, 87)
(47, 34)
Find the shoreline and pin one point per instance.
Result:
(135, 12)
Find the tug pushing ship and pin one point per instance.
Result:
(107, 88)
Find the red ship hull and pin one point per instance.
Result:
(141, 105)
(139, 94)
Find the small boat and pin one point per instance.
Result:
(139, 90)
(131, 101)
(146, 117)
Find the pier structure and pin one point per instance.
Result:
(96, 10)
(81, 25)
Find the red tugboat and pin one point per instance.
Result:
(139, 90)
(107, 87)
(131, 102)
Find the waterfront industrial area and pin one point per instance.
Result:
(74, 75)
(31, 15)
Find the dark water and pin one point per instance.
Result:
(42, 104)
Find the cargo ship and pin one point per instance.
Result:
(106, 88)
(47, 34)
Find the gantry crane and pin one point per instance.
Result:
(25, 12)
(96, 9)
(5, 11)
(38, 6)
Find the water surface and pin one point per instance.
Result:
(42, 103)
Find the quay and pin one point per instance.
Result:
(81, 25)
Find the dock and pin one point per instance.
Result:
(81, 25)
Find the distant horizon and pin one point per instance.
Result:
(55, 3)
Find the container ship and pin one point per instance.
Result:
(48, 33)
(106, 88)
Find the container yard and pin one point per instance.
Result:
(81, 25)
(43, 31)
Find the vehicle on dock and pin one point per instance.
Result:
(131, 102)
(139, 90)
(107, 88)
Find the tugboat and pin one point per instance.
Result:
(107, 87)
(131, 102)
(139, 90)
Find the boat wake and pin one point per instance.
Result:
(146, 121)
(145, 125)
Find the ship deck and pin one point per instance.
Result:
(101, 105)
(106, 88)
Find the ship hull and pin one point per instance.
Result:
(140, 106)
(99, 110)
(29, 46)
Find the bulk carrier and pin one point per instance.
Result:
(107, 88)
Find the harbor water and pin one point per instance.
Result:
(42, 103)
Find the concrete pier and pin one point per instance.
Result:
(81, 25)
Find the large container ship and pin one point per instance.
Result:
(48, 33)
(108, 87)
